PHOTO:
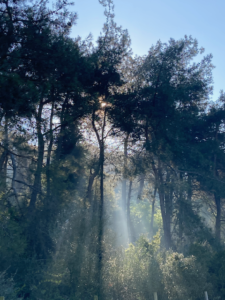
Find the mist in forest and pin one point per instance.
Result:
(111, 166)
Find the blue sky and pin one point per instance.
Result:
(149, 21)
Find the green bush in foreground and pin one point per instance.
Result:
(143, 269)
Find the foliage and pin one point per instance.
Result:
(100, 151)
(184, 277)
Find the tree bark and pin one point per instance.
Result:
(181, 208)
(48, 161)
(124, 182)
(91, 181)
(2, 159)
(13, 182)
(101, 143)
(217, 197)
(141, 186)
(3, 168)
(166, 209)
(153, 212)
(189, 195)
(4, 156)
(62, 128)
(130, 229)
(37, 177)
(218, 217)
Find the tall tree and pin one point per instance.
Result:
(169, 99)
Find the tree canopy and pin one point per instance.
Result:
(111, 166)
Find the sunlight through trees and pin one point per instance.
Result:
(111, 166)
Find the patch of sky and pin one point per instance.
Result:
(150, 21)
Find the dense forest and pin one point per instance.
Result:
(112, 166)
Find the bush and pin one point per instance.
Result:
(184, 277)
(135, 273)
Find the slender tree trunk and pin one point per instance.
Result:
(101, 205)
(36, 189)
(13, 182)
(48, 175)
(218, 217)
(141, 186)
(100, 251)
(90, 185)
(101, 211)
(2, 159)
(62, 129)
(217, 197)
(124, 182)
(165, 205)
(130, 229)
(4, 156)
(167, 225)
(166, 221)
(181, 208)
(14, 176)
(3, 169)
(80, 250)
(91, 181)
(153, 212)
(189, 195)
(161, 191)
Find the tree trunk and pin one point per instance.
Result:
(49, 155)
(181, 208)
(167, 224)
(166, 209)
(217, 197)
(91, 181)
(79, 254)
(3, 169)
(36, 189)
(165, 206)
(130, 229)
(124, 182)
(153, 212)
(141, 187)
(101, 196)
(100, 250)
(218, 217)
(189, 195)
(2, 159)
(62, 129)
